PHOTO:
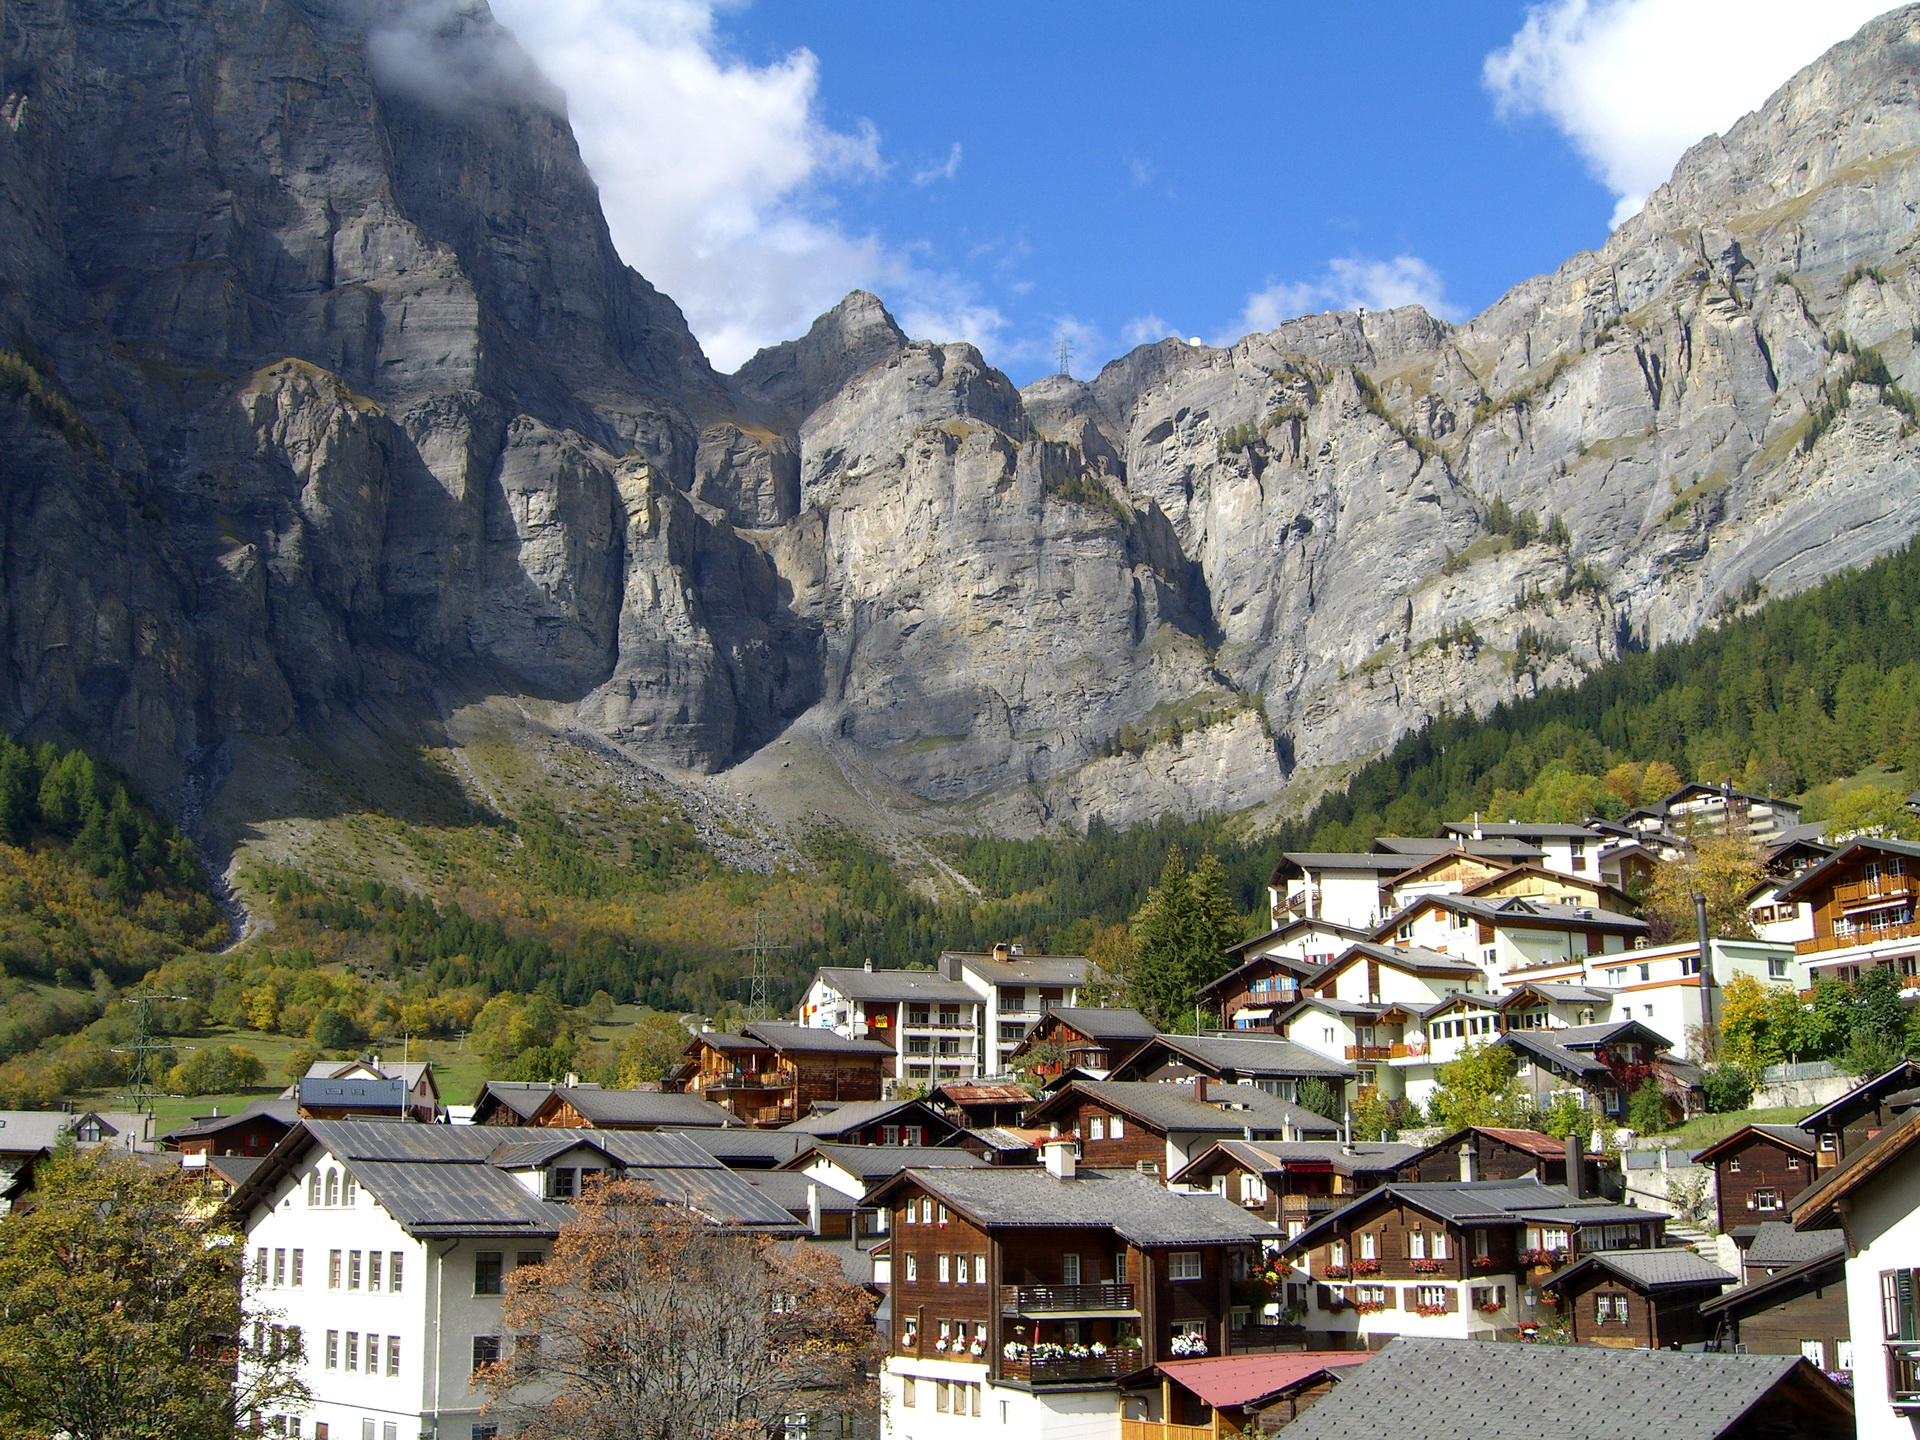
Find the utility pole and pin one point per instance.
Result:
(1066, 348)
(139, 1092)
(757, 1006)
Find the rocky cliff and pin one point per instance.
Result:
(328, 407)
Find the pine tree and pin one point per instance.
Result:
(1180, 938)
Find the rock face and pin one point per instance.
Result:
(326, 391)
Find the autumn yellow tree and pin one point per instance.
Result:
(649, 1323)
(1724, 868)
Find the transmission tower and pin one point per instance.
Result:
(140, 1090)
(757, 1006)
(1066, 357)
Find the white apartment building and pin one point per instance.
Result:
(931, 1022)
(1015, 990)
(387, 1245)
(1515, 933)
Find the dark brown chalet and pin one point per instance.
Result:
(1801, 1310)
(1636, 1299)
(983, 1105)
(1088, 1038)
(1291, 1185)
(589, 1107)
(1053, 1277)
(1147, 1125)
(1464, 1261)
(1265, 981)
(877, 1122)
(1608, 1061)
(253, 1131)
(1843, 1128)
(1481, 1152)
(1757, 1170)
(773, 1073)
(1234, 1058)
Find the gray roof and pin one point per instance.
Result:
(1099, 1023)
(1255, 1055)
(451, 1180)
(1023, 969)
(287, 1112)
(1270, 1157)
(1499, 847)
(998, 1137)
(27, 1132)
(522, 1097)
(1778, 1243)
(1228, 1109)
(642, 1107)
(788, 1189)
(235, 1168)
(1566, 994)
(874, 1163)
(858, 1114)
(1482, 1202)
(740, 1148)
(1134, 1206)
(928, 985)
(1405, 957)
(1572, 1048)
(785, 1035)
(1531, 909)
(1454, 1389)
(1505, 830)
(1649, 1269)
(1344, 860)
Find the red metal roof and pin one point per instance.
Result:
(1229, 1380)
(986, 1094)
(1531, 1141)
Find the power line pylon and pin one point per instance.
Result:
(140, 1091)
(1066, 357)
(758, 1007)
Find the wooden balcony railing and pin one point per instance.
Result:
(1121, 1360)
(1310, 1204)
(1903, 1377)
(1153, 1430)
(1866, 935)
(1068, 1299)
(1369, 1052)
(1888, 887)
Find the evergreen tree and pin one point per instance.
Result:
(1180, 937)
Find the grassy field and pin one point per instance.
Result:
(1710, 1129)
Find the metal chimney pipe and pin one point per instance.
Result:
(1576, 1168)
(1710, 1035)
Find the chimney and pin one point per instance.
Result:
(1059, 1158)
(571, 1080)
(1576, 1168)
(869, 964)
(1200, 1088)
(1003, 951)
(1476, 826)
(813, 1206)
(1469, 1162)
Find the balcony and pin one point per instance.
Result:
(748, 1082)
(1866, 935)
(1903, 1377)
(1062, 1369)
(1296, 1205)
(1863, 892)
(1369, 1052)
(1153, 1430)
(1067, 1301)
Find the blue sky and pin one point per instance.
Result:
(1010, 173)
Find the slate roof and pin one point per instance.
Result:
(1649, 1269)
(740, 1148)
(1480, 1202)
(1816, 1273)
(788, 1189)
(287, 1112)
(1023, 969)
(1572, 1048)
(454, 1180)
(858, 1114)
(874, 1163)
(1172, 1107)
(1492, 848)
(1562, 994)
(1534, 909)
(1416, 958)
(1533, 1142)
(1224, 1380)
(786, 1035)
(1442, 1389)
(1791, 1136)
(641, 1107)
(1136, 1207)
(26, 1132)
(967, 1092)
(1270, 1157)
(522, 1097)
(926, 985)
(1252, 1055)
(1001, 1139)
(1513, 830)
(235, 1168)
(1100, 1023)
(1777, 1243)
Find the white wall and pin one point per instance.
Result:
(1885, 1226)
(1005, 1410)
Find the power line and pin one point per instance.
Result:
(758, 1006)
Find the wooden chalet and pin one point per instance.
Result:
(252, 1131)
(1636, 1299)
(876, 1122)
(1158, 1128)
(1269, 1061)
(1242, 1394)
(773, 1073)
(983, 1105)
(1484, 1152)
(1798, 1310)
(1291, 1184)
(1538, 882)
(590, 1107)
(1862, 899)
(1608, 1061)
(1757, 1170)
(1093, 1039)
(1844, 1127)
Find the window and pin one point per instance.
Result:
(486, 1350)
(979, 1269)
(1689, 964)
(959, 1269)
(1096, 1128)
(1119, 1267)
(1253, 1190)
(523, 1258)
(945, 1264)
(1610, 1309)
(1190, 1328)
(480, 1432)
(1013, 997)
(1337, 1253)
(1369, 1247)
(299, 1267)
(353, 1349)
(940, 1388)
(333, 1349)
(390, 1430)
(1482, 1245)
(393, 1272)
(333, 1269)
(373, 1269)
(279, 1267)
(486, 1272)
(889, 1134)
(1897, 1305)
(560, 1183)
(1416, 1244)
(1816, 1351)
(1435, 1297)
(908, 1399)
(347, 1189)
(1117, 1129)
(1183, 1265)
(313, 1188)
(1069, 1269)
(1766, 1199)
(1829, 1142)
(353, 1269)
(1776, 967)
(1733, 1165)
(943, 1214)
(913, 1267)
(393, 1355)
(260, 1266)
(1375, 1295)
(333, 1187)
(1439, 1246)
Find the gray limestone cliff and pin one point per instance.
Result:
(326, 397)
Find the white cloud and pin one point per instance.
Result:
(1633, 83)
(946, 170)
(1347, 284)
(1145, 330)
(710, 169)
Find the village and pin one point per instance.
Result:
(1069, 1222)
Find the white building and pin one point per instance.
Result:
(1874, 1199)
(1015, 990)
(388, 1246)
(931, 1022)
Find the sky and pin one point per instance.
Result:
(1019, 173)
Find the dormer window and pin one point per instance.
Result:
(561, 1183)
(89, 1131)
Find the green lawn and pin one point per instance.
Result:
(1709, 1129)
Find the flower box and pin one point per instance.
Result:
(1489, 1307)
(1366, 1267)
(1429, 1310)
(1188, 1346)
(1368, 1307)
(1485, 1262)
(1336, 1272)
(1543, 1257)
(1429, 1267)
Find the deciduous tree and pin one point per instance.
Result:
(122, 1319)
(1479, 1088)
(656, 1044)
(650, 1324)
(1724, 868)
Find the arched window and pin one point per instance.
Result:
(313, 1188)
(346, 1190)
(333, 1187)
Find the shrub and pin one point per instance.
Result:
(1647, 1109)
(218, 1070)
(1729, 1087)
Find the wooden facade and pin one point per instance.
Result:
(762, 1084)
(1757, 1172)
(1600, 1308)
(1496, 1155)
(1796, 1312)
(1134, 1144)
(246, 1135)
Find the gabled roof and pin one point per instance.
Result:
(874, 1163)
(285, 1113)
(1493, 848)
(1814, 1272)
(1100, 1023)
(1476, 1202)
(1557, 994)
(1275, 1157)
(1867, 1092)
(1302, 922)
(1408, 959)
(1790, 1136)
(1228, 1109)
(1777, 1243)
(1532, 1142)
(1300, 969)
(522, 1098)
(1224, 1381)
(785, 1035)
(972, 1092)
(636, 1108)
(740, 1148)
(858, 1114)
(1301, 862)
(1264, 1056)
(1599, 887)
(1816, 1207)
(1572, 1049)
(928, 986)
(1516, 830)
(1135, 1207)
(1815, 875)
(789, 1190)
(1647, 1270)
(1535, 912)
(1429, 1389)
(1067, 970)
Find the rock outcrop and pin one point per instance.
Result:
(325, 393)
